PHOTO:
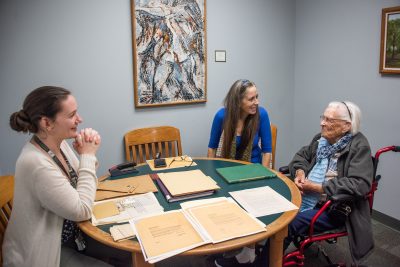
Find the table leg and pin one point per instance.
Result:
(138, 260)
(276, 248)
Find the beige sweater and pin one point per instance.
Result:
(43, 197)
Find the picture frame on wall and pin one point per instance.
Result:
(169, 52)
(390, 41)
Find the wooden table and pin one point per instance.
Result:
(276, 224)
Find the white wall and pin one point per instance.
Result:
(337, 58)
(86, 47)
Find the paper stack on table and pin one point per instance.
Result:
(187, 182)
(123, 209)
(262, 201)
(122, 232)
(165, 235)
(197, 223)
(222, 219)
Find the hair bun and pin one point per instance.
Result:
(23, 116)
(20, 121)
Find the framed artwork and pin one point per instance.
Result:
(390, 41)
(169, 52)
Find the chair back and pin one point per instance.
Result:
(143, 144)
(274, 132)
(377, 177)
(6, 196)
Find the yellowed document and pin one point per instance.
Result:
(165, 235)
(124, 187)
(129, 207)
(105, 209)
(187, 182)
(122, 232)
(225, 220)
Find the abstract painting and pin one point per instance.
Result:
(169, 52)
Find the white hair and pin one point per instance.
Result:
(350, 112)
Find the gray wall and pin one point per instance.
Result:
(301, 54)
(86, 46)
(337, 58)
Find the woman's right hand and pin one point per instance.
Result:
(87, 141)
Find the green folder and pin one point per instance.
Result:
(244, 173)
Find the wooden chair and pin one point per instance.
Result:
(6, 196)
(274, 132)
(143, 144)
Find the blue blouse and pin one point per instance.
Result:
(263, 133)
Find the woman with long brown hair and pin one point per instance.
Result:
(240, 126)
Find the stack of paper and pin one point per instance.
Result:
(222, 219)
(187, 182)
(170, 198)
(262, 201)
(122, 232)
(199, 222)
(123, 209)
(165, 235)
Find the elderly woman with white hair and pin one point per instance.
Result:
(337, 161)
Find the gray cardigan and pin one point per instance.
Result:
(43, 197)
(355, 174)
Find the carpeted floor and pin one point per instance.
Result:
(386, 253)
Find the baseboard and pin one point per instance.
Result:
(386, 220)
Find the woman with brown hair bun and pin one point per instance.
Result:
(53, 188)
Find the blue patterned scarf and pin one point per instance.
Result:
(325, 151)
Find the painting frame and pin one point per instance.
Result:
(390, 46)
(169, 52)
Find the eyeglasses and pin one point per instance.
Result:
(330, 120)
(180, 159)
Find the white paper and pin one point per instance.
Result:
(142, 205)
(189, 206)
(173, 252)
(262, 201)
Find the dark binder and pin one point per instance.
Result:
(243, 173)
(171, 198)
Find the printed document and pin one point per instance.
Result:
(130, 207)
(224, 220)
(262, 201)
(165, 235)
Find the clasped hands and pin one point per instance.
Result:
(303, 184)
(87, 141)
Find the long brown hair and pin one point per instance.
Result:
(232, 104)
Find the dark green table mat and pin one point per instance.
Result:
(209, 168)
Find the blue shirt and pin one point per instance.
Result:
(263, 133)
